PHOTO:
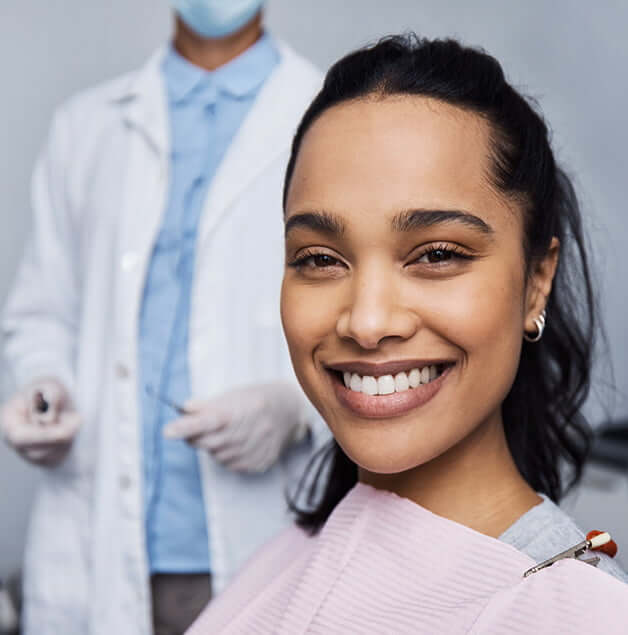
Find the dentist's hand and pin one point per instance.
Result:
(245, 429)
(40, 422)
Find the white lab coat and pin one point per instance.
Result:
(98, 194)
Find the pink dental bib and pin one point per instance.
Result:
(382, 564)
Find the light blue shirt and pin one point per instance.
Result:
(205, 111)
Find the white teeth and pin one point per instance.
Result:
(369, 385)
(401, 382)
(356, 383)
(414, 378)
(386, 385)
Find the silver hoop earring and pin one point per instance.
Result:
(540, 327)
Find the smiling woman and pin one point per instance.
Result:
(438, 309)
(444, 215)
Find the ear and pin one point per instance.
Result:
(540, 285)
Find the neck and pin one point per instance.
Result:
(476, 483)
(211, 53)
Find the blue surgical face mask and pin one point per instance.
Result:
(216, 18)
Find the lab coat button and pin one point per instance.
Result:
(129, 260)
(122, 371)
(125, 481)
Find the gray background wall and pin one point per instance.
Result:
(571, 55)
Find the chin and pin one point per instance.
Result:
(389, 453)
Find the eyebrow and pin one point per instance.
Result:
(423, 218)
(322, 222)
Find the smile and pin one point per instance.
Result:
(388, 384)
(387, 390)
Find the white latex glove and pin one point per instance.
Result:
(40, 422)
(245, 429)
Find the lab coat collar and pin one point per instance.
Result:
(261, 139)
(142, 97)
(142, 102)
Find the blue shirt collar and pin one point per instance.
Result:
(238, 78)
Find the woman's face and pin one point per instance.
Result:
(404, 297)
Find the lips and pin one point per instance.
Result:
(386, 368)
(383, 390)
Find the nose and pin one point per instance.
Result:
(375, 312)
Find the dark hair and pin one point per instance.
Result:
(544, 426)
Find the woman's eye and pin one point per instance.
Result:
(441, 255)
(322, 260)
(316, 261)
(436, 255)
(314, 264)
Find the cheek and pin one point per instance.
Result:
(307, 316)
(482, 315)
(481, 312)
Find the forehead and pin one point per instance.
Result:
(392, 153)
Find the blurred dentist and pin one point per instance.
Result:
(152, 276)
